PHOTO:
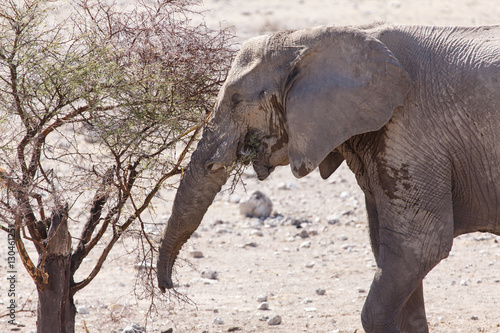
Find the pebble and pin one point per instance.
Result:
(465, 282)
(263, 306)
(83, 310)
(217, 321)
(310, 265)
(313, 232)
(209, 274)
(134, 328)
(222, 231)
(305, 245)
(288, 186)
(234, 198)
(196, 254)
(333, 219)
(320, 291)
(303, 234)
(274, 320)
(256, 233)
(262, 298)
(306, 301)
(348, 247)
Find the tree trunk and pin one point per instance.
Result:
(56, 309)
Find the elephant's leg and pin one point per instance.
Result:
(395, 302)
(412, 317)
(411, 239)
(413, 312)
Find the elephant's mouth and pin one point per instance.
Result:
(263, 171)
(255, 151)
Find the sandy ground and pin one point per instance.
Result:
(291, 266)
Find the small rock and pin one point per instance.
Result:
(333, 219)
(305, 245)
(310, 265)
(262, 298)
(170, 330)
(259, 205)
(256, 233)
(320, 291)
(263, 306)
(313, 232)
(234, 198)
(208, 274)
(274, 320)
(303, 234)
(217, 321)
(222, 231)
(134, 328)
(83, 310)
(465, 282)
(348, 247)
(196, 254)
(306, 301)
(310, 309)
(474, 318)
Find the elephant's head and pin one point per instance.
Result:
(290, 98)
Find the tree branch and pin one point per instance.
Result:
(100, 198)
(40, 277)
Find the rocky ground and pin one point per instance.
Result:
(309, 266)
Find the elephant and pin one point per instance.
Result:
(414, 111)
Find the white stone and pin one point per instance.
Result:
(274, 320)
(217, 321)
(134, 328)
(263, 306)
(83, 310)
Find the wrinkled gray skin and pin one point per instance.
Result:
(415, 113)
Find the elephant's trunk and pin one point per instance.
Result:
(196, 192)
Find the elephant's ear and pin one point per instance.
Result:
(344, 83)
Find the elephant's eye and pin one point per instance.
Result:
(236, 99)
